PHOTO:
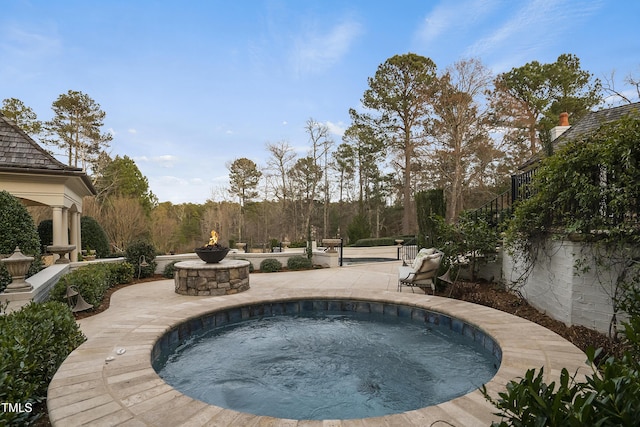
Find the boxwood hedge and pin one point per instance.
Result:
(34, 342)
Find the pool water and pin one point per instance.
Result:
(327, 365)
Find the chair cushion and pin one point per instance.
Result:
(424, 252)
(404, 272)
(431, 262)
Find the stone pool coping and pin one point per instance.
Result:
(97, 386)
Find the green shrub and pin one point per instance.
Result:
(298, 244)
(45, 232)
(299, 262)
(17, 229)
(33, 344)
(274, 243)
(92, 281)
(5, 277)
(134, 253)
(381, 241)
(94, 237)
(169, 270)
(119, 273)
(610, 396)
(270, 265)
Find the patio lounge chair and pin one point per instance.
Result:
(422, 272)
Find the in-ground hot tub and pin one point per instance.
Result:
(97, 384)
(325, 358)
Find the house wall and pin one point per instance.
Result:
(555, 287)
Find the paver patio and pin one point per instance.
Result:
(89, 390)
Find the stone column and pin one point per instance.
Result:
(79, 234)
(65, 226)
(75, 235)
(57, 225)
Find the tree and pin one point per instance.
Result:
(344, 161)
(327, 143)
(320, 143)
(304, 177)
(164, 227)
(121, 177)
(76, 128)
(244, 177)
(573, 91)
(282, 156)
(429, 205)
(279, 163)
(626, 95)
(528, 100)
(400, 94)
(23, 116)
(369, 151)
(189, 221)
(124, 221)
(460, 129)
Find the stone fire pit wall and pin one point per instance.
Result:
(199, 278)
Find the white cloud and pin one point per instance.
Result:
(532, 28)
(172, 180)
(336, 128)
(165, 157)
(317, 51)
(284, 123)
(165, 161)
(29, 44)
(27, 54)
(220, 178)
(132, 131)
(450, 16)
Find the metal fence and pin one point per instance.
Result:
(496, 210)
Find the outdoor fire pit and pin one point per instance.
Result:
(212, 252)
(215, 276)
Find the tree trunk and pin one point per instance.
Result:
(406, 193)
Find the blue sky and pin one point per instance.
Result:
(190, 86)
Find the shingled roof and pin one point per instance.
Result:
(593, 120)
(19, 153)
(588, 124)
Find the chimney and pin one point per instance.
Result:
(562, 126)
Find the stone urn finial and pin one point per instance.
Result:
(18, 265)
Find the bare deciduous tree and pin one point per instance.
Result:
(124, 221)
(459, 128)
(627, 95)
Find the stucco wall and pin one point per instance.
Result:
(557, 288)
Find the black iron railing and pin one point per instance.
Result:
(408, 249)
(521, 185)
(497, 210)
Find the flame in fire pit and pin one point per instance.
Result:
(214, 238)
